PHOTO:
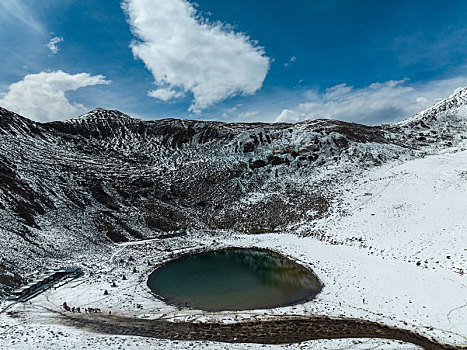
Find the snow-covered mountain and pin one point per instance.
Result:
(66, 187)
(445, 123)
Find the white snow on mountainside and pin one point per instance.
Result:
(379, 213)
(453, 107)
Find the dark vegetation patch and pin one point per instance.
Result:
(164, 218)
(27, 235)
(25, 211)
(280, 331)
(97, 191)
(9, 278)
(271, 214)
(258, 163)
(354, 132)
(6, 168)
(106, 224)
(275, 160)
(74, 197)
(133, 232)
(23, 200)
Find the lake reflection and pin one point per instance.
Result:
(233, 279)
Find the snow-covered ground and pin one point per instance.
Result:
(395, 252)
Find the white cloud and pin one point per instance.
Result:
(52, 45)
(288, 116)
(165, 94)
(42, 97)
(185, 52)
(377, 103)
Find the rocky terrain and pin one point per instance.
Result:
(71, 186)
(377, 212)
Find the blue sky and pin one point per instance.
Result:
(255, 60)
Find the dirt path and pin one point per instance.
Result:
(283, 331)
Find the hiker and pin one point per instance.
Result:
(64, 305)
(79, 309)
(73, 309)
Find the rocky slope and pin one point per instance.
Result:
(66, 187)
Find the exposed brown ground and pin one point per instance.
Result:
(283, 331)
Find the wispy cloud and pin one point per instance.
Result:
(21, 11)
(52, 45)
(42, 96)
(185, 52)
(377, 103)
(291, 60)
(247, 116)
(227, 113)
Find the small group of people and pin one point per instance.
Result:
(78, 309)
(92, 310)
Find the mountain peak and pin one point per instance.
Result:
(10, 120)
(98, 109)
(102, 114)
(450, 104)
(461, 91)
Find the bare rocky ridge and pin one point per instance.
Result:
(79, 184)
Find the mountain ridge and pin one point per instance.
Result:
(107, 177)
